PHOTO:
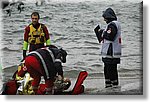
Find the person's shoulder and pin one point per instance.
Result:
(27, 27)
(52, 46)
(113, 24)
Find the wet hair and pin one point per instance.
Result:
(35, 14)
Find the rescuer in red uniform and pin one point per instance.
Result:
(45, 62)
(36, 35)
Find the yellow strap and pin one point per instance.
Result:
(32, 29)
(25, 45)
(48, 42)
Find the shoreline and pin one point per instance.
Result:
(95, 85)
(127, 86)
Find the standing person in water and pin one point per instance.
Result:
(111, 47)
(36, 35)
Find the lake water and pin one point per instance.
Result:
(71, 27)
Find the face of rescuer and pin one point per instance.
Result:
(35, 19)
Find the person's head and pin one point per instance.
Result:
(109, 15)
(64, 54)
(35, 18)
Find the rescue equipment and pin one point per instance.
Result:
(36, 36)
(22, 85)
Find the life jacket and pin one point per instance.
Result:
(116, 44)
(36, 36)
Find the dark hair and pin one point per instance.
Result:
(35, 14)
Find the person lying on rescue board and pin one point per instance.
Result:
(46, 62)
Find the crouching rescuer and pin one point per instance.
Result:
(46, 62)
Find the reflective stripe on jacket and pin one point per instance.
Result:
(47, 59)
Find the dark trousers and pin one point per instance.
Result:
(111, 74)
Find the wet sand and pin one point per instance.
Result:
(95, 85)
